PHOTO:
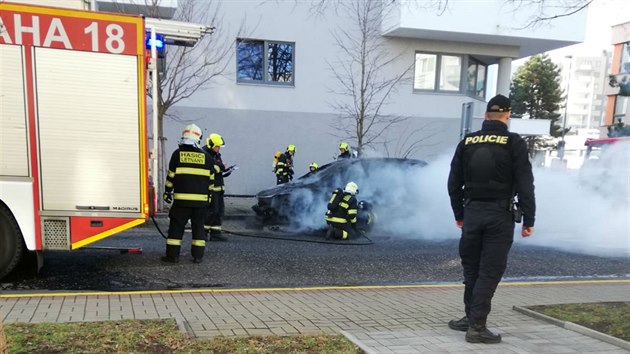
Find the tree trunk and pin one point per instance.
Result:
(3, 342)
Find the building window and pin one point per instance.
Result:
(437, 72)
(621, 107)
(624, 66)
(476, 78)
(265, 62)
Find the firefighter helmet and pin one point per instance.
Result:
(313, 166)
(291, 148)
(215, 140)
(191, 134)
(352, 188)
(343, 146)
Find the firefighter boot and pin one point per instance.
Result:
(329, 233)
(197, 260)
(459, 325)
(169, 259)
(481, 334)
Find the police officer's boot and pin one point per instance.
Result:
(481, 334)
(459, 325)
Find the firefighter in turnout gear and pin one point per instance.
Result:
(342, 212)
(284, 167)
(217, 206)
(312, 167)
(190, 176)
(344, 151)
(490, 167)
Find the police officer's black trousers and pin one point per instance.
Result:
(179, 217)
(487, 236)
(215, 213)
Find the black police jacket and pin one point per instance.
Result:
(190, 176)
(492, 164)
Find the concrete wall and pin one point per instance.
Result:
(252, 137)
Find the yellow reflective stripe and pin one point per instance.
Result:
(206, 227)
(171, 173)
(280, 164)
(344, 205)
(336, 220)
(332, 197)
(347, 198)
(200, 243)
(192, 171)
(168, 184)
(216, 188)
(173, 242)
(352, 212)
(218, 228)
(217, 168)
(189, 196)
(353, 220)
(344, 234)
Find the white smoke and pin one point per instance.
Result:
(573, 213)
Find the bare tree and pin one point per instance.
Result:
(188, 70)
(549, 10)
(362, 83)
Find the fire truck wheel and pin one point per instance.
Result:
(11, 243)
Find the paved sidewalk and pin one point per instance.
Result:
(381, 319)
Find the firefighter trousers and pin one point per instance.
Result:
(486, 240)
(179, 216)
(215, 212)
(340, 231)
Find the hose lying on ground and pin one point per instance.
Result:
(243, 234)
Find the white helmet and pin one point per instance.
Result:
(191, 135)
(352, 188)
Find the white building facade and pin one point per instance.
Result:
(279, 87)
(259, 113)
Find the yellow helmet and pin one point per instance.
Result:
(352, 188)
(313, 166)
(343, 146)
(277, 154)
(191, 134)
(291, 148)
(215, 140)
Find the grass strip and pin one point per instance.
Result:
(156, 336)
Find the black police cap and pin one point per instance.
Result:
(499, 103)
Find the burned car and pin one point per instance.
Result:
(302, 202)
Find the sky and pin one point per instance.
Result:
(602, 14)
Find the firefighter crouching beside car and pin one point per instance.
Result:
(190, 176)
(217, 205)
(284, 167)
(342, 212)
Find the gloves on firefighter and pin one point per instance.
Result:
(168, 197)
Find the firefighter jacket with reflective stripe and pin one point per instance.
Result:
(284, 167)
(190, 177)
(344, 155)
(492, 164)
(342, 208)
(219, 169)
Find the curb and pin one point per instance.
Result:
(185, 328)
(575, 328)
(351, 337)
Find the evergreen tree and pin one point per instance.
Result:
(536, 94)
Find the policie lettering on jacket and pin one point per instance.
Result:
(501, 170)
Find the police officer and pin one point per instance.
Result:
(217, 205)
(190, 174)
(342, 212)
(488, 169)
(284, 167)
(344, 151)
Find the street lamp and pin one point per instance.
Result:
(566, 106)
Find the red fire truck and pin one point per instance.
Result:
(73, 140)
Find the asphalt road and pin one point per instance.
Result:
(263, 262)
